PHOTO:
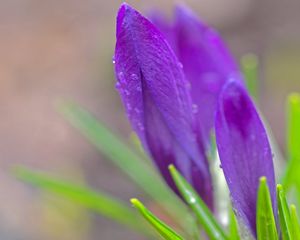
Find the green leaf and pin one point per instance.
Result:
(164, 230)
(284, 215)
(130, 162)
(295, 222)
(95, 201)
(202, 212)
(293, 144)
(291, 176)
(249, 66)
(265, 221)
(233, 228)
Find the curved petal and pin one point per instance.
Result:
(207, 63)
(165, 26)
(154, 91)
(244, 151)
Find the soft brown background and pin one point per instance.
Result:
(52, 49)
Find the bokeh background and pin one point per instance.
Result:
(52, 49)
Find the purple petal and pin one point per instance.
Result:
(165, 26)
(244, 151)
(153, 89)
(207, 63)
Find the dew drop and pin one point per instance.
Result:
(180, 65)
(192, 200)
(137, 110)
(128, 106)
(140, 126)
(118, 85)
(134, 77)
(127, 93)
(195, 108)
(121, 76)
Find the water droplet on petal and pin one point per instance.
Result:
(137, 110)
(180, 65)
(140, 126)
(127, 93)
(118, 85)
(195, 108)
(121, 76)
(128, 106)
(134, 77)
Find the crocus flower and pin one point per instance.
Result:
(206, 61)
(155, 94)
(244, 151)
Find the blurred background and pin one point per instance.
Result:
(54, 49)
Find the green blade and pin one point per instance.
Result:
(295, 222)
(202, 212)
(284, 215)
(249, 66)
(265, 221)
(291, 176)
(293, 144)
(130, 162)
(96, 201)
(233, 227)
(164, 230)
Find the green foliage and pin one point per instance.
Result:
(128, 160)
(295, 222)
(96, 201)
(202, 212)
(293, 144)
(249, 66)
(291, 177)
(163, 229)
(137, 167)
(284, 215)
(265, 221)
(233, 228)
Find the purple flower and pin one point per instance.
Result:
(206, 61)
(155, 94)
(244, 151)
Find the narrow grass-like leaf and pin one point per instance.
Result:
(284, 215)
(293, 144)
(295, 222)
(249, 65)
(163, 229)
(202, 212)
(265, 221)
(96, 201)
(128, 160)
(291, 176)
(233, 228)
